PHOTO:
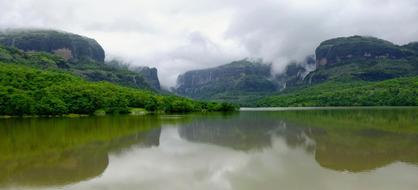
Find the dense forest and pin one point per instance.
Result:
(393, 92)
(30, 91)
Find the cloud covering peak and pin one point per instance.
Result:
(180, 35)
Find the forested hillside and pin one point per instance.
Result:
(80, 55)
(393, 92)
(29, 91)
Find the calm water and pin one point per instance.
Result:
(295, 150)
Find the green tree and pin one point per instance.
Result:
(49, 105)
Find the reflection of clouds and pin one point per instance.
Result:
(180, 164)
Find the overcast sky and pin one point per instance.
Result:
(180, 35)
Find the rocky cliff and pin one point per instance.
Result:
(347, 59)
(71, 52)
(67, 45)
(150, 75)
(239, 76)
(363, 58)
(338, 50)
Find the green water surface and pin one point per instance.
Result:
(351, 148)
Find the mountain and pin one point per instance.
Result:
(357, 70)
(363, 58)
(70, 46)
(240, 81)
(240, 75)
(150, 75)
(238, 78)
(359, 66)
(71, 52)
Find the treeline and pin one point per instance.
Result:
(394, 92)
(30, 91)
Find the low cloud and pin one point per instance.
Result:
(180, 35)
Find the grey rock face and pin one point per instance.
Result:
(150, 75)
(67, 45)
(239, 76)
(333, 51)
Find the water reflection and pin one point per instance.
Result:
(311, 149)
(58, 151)
(352, 140)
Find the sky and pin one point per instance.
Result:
(180, 35)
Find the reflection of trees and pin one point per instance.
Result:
(360, 140)
(73, 150)
(57, 168)
(346, 140)
(364, 150)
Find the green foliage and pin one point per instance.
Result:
(151, 104)
(394, 92)
(29, 91)
(51, 105)
(19, 104)
(86, 68)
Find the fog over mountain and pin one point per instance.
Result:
(179, 35)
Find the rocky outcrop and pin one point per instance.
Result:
(241, 81)
(295, 73)
(345, 49)
(239, 76)
(74, 53)
(150, 75)
(68, 46)
(363, 58)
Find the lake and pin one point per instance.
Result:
(324, 149)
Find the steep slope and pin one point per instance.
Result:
(363, 58)
(361, 71)
(150, 75)
(70, 46)
(80, 55)
(238, 77)
(241, 81)
(353, 65)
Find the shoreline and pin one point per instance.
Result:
(322, 108)
(141, 111)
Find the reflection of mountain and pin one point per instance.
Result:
(360, 140)
(246, 132)
(364, 150)
(72, 150)
(57, 168)
(237, 132)
(339, 142)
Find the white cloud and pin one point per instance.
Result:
(179, 35)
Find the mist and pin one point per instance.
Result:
(178, 35)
